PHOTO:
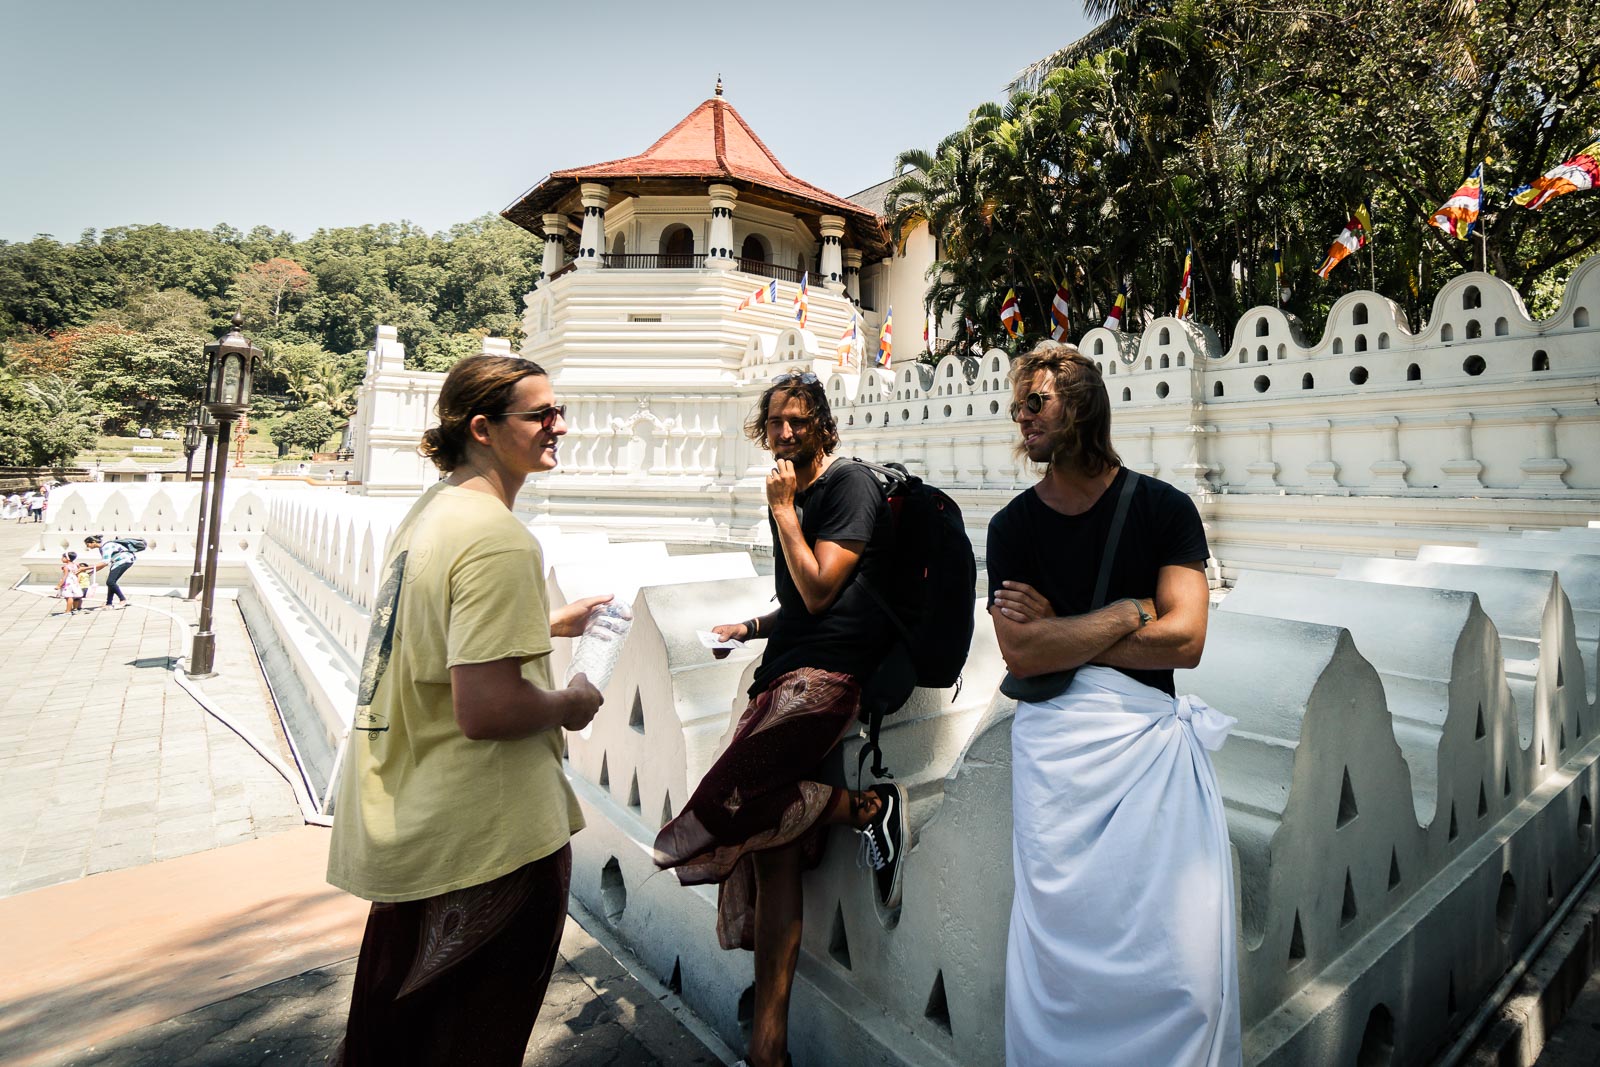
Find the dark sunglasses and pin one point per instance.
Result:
(546, 416)
(804, 378)
(1034, 402)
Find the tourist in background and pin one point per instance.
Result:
(118, 555)
(36, 502)
(758, 818)
(1121, 947)
(453, 813)
(14, 508)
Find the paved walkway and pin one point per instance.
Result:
(206, 934)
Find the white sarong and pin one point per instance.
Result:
(1122, 946)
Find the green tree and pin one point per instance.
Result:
(139, 379)
(307, 430)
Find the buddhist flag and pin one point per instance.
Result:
(1011, 314)
(1458, 216)
(1277, 271)
(1185, 288)
(1578, 174)
(802, 299)
(1114, 319)
(1058, 314)
(767, 294)
(886, 339)
(847, 342)
(1350, 239)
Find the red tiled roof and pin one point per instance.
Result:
(712, 141)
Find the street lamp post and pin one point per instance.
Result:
(191, 441)
(231, 363)
(197, 577)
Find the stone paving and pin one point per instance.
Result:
(107, 762)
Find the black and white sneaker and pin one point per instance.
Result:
(882, 841)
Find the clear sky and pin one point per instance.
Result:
(299, 114)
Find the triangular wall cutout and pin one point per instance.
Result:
(1542, 758)
(1297, 942)
(839, 941)
(605, 772)
(1505, 788)
(675, 983)
(666, 809)
(633, 793)
(938, 1008)
(1454, 830)
(1347, 801)
(1561, 743)
(1348, 911)
(1480, 732)
(1394, 867)
(1561, 674)
(1549, 889)
(1483, 801)
(636, 716)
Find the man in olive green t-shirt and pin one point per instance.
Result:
(453, 813)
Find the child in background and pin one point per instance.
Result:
(68, 588)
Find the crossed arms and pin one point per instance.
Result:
(1034, 640)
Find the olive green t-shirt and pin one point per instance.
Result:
(421, 809)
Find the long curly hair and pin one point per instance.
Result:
(815, 399)
(477, 385)
(1083, 440)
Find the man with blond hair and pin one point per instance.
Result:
(1121, 948)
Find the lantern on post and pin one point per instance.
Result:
(230, 368)
(191, 442)
(197, 578)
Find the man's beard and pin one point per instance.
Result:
(800, 456)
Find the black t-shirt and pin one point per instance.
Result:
(1059, 555)
(851, 637)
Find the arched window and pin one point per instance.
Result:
(1180, 359)
(1471, 298)
(754, 249)
(994, 366)
(1358, 315)
(1165, 362)
(1383, 341)
(1474, 329)
(1361, 342)
(1261, 353)
(1112, 367)
(969, 409)
(1283, 351)
(1261, 327)
(1501, 327)
(1306, 381)
(1216, 389)
(949, 370)
(677, 246)
(619, 244)
(1166, 336)
(1146, 362)
(1099, 346)
(1338, 346)
(1541, 360)
(1413, 373)
(1447, 332)
(1580, 318)
(1099, 367)
(1127, 394)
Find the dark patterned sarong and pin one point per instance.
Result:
(458, 978)
(759, 794)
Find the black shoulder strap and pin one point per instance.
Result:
(1103, 582)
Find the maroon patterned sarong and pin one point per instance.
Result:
(758, 795)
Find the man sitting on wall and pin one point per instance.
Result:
(1121, 947)
(758, 818)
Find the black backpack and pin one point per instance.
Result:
(929, 593)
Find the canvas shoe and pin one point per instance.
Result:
(883, 842)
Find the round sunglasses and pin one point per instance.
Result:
(1034, 402)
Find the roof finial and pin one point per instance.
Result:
(719, 84)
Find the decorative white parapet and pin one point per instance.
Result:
(1410, 789)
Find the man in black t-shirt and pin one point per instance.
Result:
(757, 819)
(1121, 939)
